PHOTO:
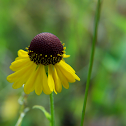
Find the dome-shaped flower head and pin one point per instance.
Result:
(42, 67)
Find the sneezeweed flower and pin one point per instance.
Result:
(42, 67)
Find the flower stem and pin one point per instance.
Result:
(91, 59)
(52, 109)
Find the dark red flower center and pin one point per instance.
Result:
(45, 48)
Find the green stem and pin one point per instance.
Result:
(52, 110)
(91, 59)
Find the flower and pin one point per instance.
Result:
(42, 67)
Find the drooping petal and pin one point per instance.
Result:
(67, 71)
(67, 74)
(58, 86)
(38, 82)
(18, 64)
(22, 53)
(14, 76)
(22, 79)
(67, 66)
(63, 79)
(17, 84)
(46, 88)
(29, 85)
(50, 78)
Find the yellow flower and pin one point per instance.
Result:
(42, 67)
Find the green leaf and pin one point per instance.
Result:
(48, 116)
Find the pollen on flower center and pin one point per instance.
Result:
(45, 48)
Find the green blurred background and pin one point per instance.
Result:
(72, 21)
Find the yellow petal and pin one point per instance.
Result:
(65, 56)
(68, 75)
(19, 58)
(22, 79)
(29, 85)
(14, 76)
(67, 71)
(67, 66)
(38, 82)
(22, 53)
(50, 78)
(58, 86)
(46, 88)
(18, 64)
(17, 84)
(63, 79)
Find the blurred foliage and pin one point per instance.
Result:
(72, 21)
